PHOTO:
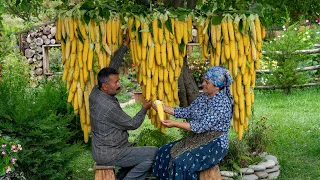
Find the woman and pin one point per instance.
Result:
(209, 121)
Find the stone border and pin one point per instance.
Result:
(267, 169)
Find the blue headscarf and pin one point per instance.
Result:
(220, 77)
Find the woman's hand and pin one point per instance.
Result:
(169, 123)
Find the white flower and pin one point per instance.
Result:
(284, 29)
(307, 32)
(282, 35)
(274, 39)
(317, 32)
(283, 26)
(308, 36)
(303, 39)
(295, 29)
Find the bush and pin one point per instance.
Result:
(10, 148)
(285, 73)
(41, 119)
(246, 151)
(152, 137)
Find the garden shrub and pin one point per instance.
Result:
(285, 74)
(41, 119)
(152, 137)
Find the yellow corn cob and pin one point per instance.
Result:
(258, 28)
(155, 30)
(151, 57)
(230, 29)
(160, 109)
(58, 27)
(155, 77)
(71, 30)
(109, 32)
(218, 30)
(163, 54)
(178, 31)
(214, 35)
(225, 32)
(85, 50)
(185, 32)
(189, 24)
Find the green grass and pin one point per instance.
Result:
(295, 121)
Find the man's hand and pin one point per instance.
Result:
(146, 104)
(126, 41)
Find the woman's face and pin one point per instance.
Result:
(209, 88)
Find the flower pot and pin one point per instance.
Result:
(137, 96)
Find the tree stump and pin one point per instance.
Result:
(104, 172)
(212, 173)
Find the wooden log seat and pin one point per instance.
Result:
(104, 172)
(212, 173)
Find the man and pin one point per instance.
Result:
(109, 125)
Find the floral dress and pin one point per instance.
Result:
(205, 146)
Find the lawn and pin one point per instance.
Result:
(295, 121)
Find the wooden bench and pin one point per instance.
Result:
(104, 172)
(212, 173)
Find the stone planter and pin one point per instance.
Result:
(137, 96)
(268, 169)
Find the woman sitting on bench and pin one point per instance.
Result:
(209, 121)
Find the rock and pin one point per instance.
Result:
(249, 177)
(226, 178)
(270, 157)
(257, 167)
(268, 164)
(228, 173)
(246, 171)
(274, 169)
(261, 174)
(274, 175)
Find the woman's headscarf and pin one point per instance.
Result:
(220, 77)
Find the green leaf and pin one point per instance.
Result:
(168, 24)
(86, 18)
(215, 20)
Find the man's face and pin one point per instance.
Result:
(112, 87)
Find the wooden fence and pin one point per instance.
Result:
(308, 68)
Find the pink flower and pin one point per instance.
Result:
(15, 150)
(307, 21)
(4, 146)
(8, 169)
(19, 146)
(13, 160)
(3, 153)
(13, 147)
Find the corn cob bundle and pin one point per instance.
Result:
(154, 49)
(240, 51)
(86, 48)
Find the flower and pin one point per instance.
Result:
(4, 146)
(307, 21)
(3, 153)
(13, 147)
(13, 160)
(8, 169)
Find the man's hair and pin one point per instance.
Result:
(104, 74)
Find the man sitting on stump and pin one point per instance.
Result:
(110, 125)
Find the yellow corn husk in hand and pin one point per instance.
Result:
(160, 110)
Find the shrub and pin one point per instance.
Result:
(10, 148)
(41, 119)
(285, 73)
(152, 137)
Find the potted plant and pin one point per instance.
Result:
(137, 93)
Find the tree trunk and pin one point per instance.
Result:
(188, 89)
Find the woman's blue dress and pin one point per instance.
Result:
(207, 115)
